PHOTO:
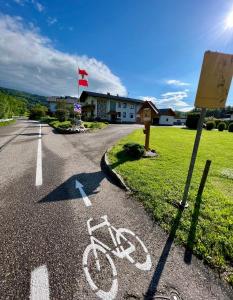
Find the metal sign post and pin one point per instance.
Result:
(212, 92)
(184, 203)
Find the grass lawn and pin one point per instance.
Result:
(206, 227)
(95, 125)
(5, 123)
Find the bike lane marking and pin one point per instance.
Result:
(79, 187)
(39, 179)
(39, 284)
(97, 245)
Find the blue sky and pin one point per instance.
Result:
(149, 49)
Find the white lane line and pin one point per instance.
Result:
(39, 161)
(79, 186)
(40, 284)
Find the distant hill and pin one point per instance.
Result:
(31, 99)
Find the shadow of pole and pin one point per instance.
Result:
(192, 231)
(152, 289)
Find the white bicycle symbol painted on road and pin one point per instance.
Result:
(117, 237)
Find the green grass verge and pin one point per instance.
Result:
(5, 123)
(95, 125)
(206, 226)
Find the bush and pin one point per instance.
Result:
(62, 114)
(134, 150)
(222, 126)
(230, 127)
(37, 112)
(210, 125)
(48, 119)
(192, 120)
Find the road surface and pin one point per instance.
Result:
(52, 197)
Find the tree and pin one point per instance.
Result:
(192, 120)
(38, 111)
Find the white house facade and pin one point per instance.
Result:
(108, 107)
(167, 117)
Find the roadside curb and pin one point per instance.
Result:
(114, 175)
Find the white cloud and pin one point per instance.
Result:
(38, 5)
(171, 100)
(29, 62)
(20, 2)
(176, 82)
(51, 20)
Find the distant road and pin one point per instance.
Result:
(53, 194)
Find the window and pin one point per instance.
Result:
(131, 116)
(118, 114)
(124, 105)
(132, 106)
(119, 104)
(167, 119)
(124, 114)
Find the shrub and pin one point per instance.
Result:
(230, 127)
(48, 119)
(62, 114)
(37, 112)
(221, 126)
(192, 120)
(134, 150)
(210, 125)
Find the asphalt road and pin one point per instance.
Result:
(50, 186)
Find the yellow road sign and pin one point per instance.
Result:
(215, 80)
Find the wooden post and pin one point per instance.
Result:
(147, 139)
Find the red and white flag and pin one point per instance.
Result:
(82, 72)
(83, 82)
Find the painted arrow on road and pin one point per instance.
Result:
(79, 187)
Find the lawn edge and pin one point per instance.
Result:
(117, 177)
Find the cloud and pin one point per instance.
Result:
(176, 82)
(29, 62)
(38, 5)
(51, 20)
(171, 99)
(20, 2)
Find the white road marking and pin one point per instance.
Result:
(40, 284)
(79, 187)
(39, 161)
(96, 245)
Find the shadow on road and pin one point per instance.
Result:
(152, 289)
(30, 134)
(68, 191)
(192, 231)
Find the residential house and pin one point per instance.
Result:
(54, 100)
(167, 116)
(109, 107)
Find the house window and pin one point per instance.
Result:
(167, 119)
(131, 116)
(124, 114)
(118, 114)
(132, 106)
(119, 104)
(124, 105)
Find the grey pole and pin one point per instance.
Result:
(184, 203)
